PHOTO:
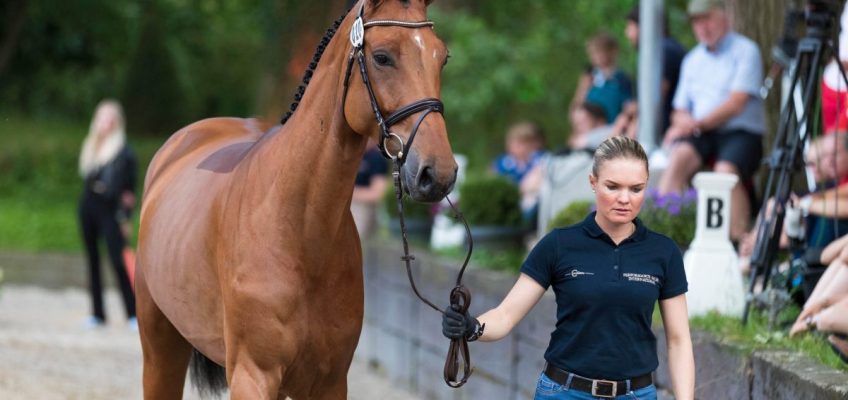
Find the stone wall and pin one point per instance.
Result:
(402, 339)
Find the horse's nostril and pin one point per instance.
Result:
(425, 179)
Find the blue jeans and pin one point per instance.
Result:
(547, 389)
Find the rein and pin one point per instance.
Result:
(460, 295)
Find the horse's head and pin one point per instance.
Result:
(402, 59)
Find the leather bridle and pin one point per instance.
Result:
(460, 295)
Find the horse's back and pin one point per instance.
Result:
(183, 187)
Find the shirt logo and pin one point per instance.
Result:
(644, 278)
(575, 273)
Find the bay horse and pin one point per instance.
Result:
(249, 263)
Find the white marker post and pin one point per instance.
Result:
(447, 233)
(715, 282)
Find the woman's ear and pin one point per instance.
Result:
(593, 180)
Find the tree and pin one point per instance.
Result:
(14, 16)
(292, 34)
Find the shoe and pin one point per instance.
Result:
(132, 324)
(93, 322)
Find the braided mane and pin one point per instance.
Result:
(307, 76)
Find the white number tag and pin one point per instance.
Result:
(357, 32)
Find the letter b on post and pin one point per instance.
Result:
(712, 231)
(715, 208)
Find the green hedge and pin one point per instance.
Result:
(490, 200)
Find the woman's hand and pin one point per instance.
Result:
(805, 319)
(456, 325)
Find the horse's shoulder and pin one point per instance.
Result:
(214, 144)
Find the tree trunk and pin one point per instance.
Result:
(15, 16)
(762, 22)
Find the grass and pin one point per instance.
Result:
(756, 336)
(40, 186)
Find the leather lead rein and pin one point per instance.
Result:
(460, 295)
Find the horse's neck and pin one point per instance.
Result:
(311, 162)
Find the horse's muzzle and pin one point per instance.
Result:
(428, 181)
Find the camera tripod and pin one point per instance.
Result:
(795, 131)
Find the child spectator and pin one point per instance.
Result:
(603, 83)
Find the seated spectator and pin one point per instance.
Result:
(368, 190)
(627, 123)
(524, 149)
(719, 118)
(603, 83)
(834, 102)
(827, 161)
(589, 127)
(672, 56)
(826, 310)
(525, 144)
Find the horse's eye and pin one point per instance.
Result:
(382, 59)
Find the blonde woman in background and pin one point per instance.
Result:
(108, 168)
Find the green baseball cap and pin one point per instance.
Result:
(702, 6)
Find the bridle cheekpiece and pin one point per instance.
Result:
(428, 105)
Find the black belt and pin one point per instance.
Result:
(597, 387)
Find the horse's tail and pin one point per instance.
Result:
(207, 377)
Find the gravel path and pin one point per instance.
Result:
(46, 353)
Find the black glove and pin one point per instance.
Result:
(455, 325)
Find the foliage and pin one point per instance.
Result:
(521, 60)
(756, 335)
(411, 208)
(575, 212)
(490, 200)
(672, 215)
(194, 58)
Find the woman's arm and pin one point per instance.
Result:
(518, 302)
(374, 192)
(831, 203)
(833, 250)
(681, 361)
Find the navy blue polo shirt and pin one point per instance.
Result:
(605, 295)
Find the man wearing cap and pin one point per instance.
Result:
(718, 115)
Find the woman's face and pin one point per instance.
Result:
(105, 121)
(620, 189)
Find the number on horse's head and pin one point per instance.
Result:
(401, 60)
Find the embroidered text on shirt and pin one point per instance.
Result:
(653, 280)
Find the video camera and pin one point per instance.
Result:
(818, 17)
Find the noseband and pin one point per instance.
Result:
(460, 295)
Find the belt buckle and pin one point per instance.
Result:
(612, 385)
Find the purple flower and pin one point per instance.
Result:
(690, 195)
(674, 209)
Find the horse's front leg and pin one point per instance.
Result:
(334, 389)
(251, 381)
(259, 349)
(256, 363)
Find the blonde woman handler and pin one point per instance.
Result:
(606, 273)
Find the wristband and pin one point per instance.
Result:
(478, 331)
